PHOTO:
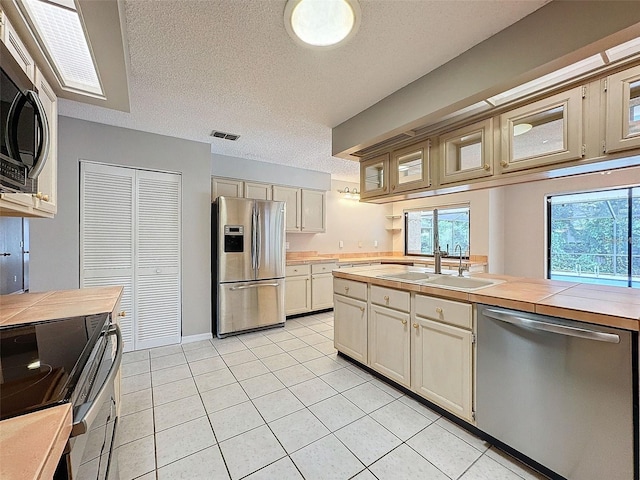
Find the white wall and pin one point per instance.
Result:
(525, 216)
(486, 221)
(350, 221)
(55, 244)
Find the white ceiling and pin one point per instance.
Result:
(230, 65)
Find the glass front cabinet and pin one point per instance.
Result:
(410, 168)
(374, 177)
(623, 110)
(466, 153)
(545, 132)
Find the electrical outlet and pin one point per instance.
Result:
(375, 243)
(359, 244)
(286, 245)
(341, 244)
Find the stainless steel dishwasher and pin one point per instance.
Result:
(562, 393)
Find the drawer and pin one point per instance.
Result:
(349, 288)
(388, 297)
(297, 270)
(447, 311)
(323, 267)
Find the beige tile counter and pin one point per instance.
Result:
(598, 304)
(31, 445)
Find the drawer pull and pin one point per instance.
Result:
(415, 325)
(404, 322)
(346, 289)
(438, 310)
(386, 299)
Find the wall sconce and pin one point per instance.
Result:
(350, 194)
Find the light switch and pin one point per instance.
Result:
(359, 244)
(341, 244)
(286, 245)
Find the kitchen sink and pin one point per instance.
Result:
(461, 283)
(407, 276)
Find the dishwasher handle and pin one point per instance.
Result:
(523, 322)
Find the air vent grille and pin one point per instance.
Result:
(226, 136)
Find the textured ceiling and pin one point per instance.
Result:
(230, 65)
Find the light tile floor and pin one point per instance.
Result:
(280, 404)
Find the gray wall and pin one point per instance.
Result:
(55, 243)
(251, 170)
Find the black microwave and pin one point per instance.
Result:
(24, 131)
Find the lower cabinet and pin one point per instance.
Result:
(441, 361)
(350, 327)
(321, 291)
(308, 288)
(297, 294)
(389, 335)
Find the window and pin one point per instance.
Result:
(594, 237)
(452, 225)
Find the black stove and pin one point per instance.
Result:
(45, 363)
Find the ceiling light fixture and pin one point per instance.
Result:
(321, 23)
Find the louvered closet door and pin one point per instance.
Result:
(158, 227)
(107, 236)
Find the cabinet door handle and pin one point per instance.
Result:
(346, 289)
(362, 309)
(438, 310)
(415, 325)
(386, 299)
(404, 322)
(393, 187)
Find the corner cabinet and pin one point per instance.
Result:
(623, 110)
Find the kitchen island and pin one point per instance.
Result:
(568, 347)
(31, 444)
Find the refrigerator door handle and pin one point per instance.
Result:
(258, 239)
(254, 285)
(253, 240)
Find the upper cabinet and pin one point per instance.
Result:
(259, 191)
(17, 48)
(374, 177)
(410, 168)
(466, 153)
(226, 187)
(545, 132)
(623, 110)
(313, 211)
(292, 197)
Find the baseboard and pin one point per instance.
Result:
(197, 338)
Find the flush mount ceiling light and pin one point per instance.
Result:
(321, 23)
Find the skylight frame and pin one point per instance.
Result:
(49, 45)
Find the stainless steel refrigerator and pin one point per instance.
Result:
(248, 261)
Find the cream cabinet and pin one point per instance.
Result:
(350, 327)
(259, 191)
(374, 177)
(305, 209)
(623, 110)
(466, 153)
(441, 354)
(17, 48)
(322, 285)
(545, 132)
(389, 334)
(226, 187)
(297, 289)
(409, 168)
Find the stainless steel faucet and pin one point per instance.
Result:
(437, 252)
(460, 267)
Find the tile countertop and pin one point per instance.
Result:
(598, 304)
(31, 444)
(303, 260)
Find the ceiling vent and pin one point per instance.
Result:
(227, 136)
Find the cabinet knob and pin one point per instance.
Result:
(346, 289)
(438, 310)
(38, 195)
(393, 187)
(295, 269)
(386, 299)
(122, 314)
(487, 167)
(504, 163)
(415, 325)
(45, 198)
(362, 309)
(404, 322)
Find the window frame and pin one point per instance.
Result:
(405, 213)
(629, 232)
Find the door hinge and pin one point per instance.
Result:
(606, 85)
(473, 339)
(584, 149)
(604, 146)
(473, 414)
(584, 91)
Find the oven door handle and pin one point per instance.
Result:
(88, 411)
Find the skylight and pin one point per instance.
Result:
(58, 26)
